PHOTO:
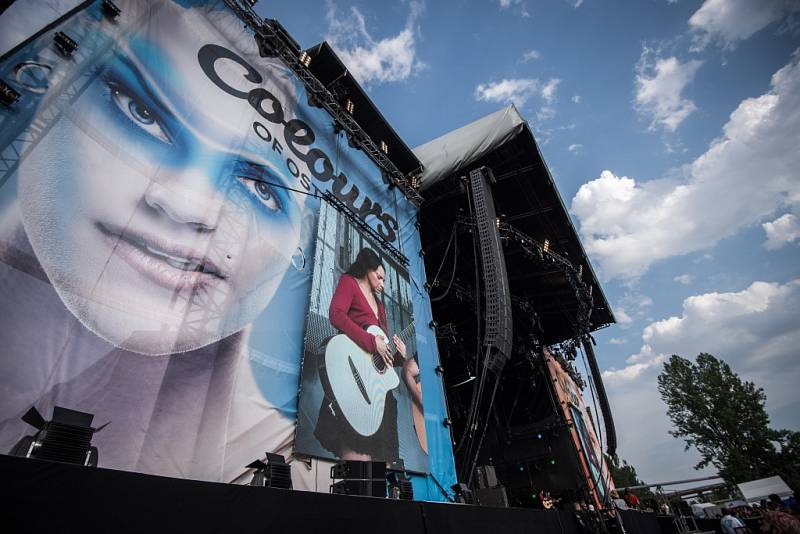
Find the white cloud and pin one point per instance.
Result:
(549, 90)
(749, 327)
(518, 91)
(684, 279)
(617, 341)
(623, 319)
(750, 172)
(523, 6)
(576, 99)
(390, 59)
(755, 330)
(659, 89)
(729, 21)
(530, 55)
(781, 231)
(575, 148)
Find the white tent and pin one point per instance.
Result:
(755, 490)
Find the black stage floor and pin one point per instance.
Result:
(40, 497)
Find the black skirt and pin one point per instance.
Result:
(336, 434)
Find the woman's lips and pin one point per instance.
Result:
(170, 265)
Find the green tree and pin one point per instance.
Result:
(724, 418)
(624, 475)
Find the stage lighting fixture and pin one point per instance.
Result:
(352, 141)
(110, 9)
(305, 59)
(463, 493)
(349, 106)
(384, 147)
(67, 437)
(64, 44)
(546, 246)
(400, 486)
(275, 473)
(415, 185)
(314, 101)
(8, 95)
(251, 3)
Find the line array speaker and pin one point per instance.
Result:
(499, 326)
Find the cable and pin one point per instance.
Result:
(453, 274)
(483, 432)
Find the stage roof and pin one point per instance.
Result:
(328, 68)
(455, 150)
(526, 198)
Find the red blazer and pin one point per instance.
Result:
(351, 314)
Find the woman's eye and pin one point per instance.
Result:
(263, 192)
(139, 113)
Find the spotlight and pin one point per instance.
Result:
(8, 95)
(64, 44)
(546, 246)
(66, 438)
(305, 59)
(384, 147)
(275, 473)
(110, 9)
(349, 106)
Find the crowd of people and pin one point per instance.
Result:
(771, 516)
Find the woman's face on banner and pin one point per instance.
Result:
(149, 204)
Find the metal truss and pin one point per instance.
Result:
(272, 40)
(359, 223)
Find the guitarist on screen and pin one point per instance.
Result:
(355, 307)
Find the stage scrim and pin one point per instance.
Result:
(159, 195)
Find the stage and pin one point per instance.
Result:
(52, 497)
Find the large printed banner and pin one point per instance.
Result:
(583, 430)
(159, 198)
(355, 403)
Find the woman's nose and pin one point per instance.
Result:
(187, 198)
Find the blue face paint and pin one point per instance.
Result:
(157, 135)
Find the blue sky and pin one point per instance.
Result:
(672, 130)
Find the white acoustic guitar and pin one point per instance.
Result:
(359, 381)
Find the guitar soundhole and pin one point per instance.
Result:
(378, 362)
